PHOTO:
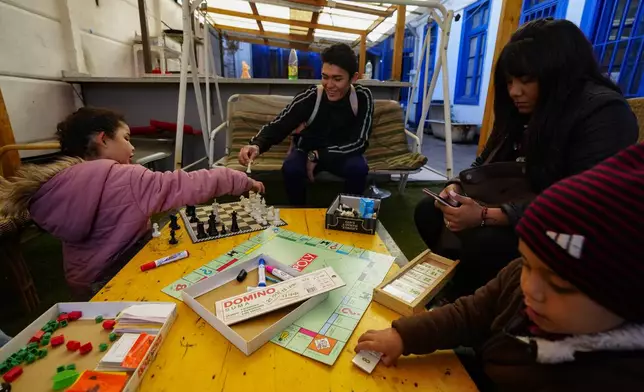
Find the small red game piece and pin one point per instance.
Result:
(109, 324)
(12, 374)
(62, 317)
(85, 348)
(57, 340)
(73, 345)
(37, 336)
(75, 315)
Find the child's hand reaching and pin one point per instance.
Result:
(386, 341)
(258, 187)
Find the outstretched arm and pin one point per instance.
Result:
(156, 191)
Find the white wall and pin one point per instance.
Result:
(469, 113)
(575, 11)
(35, 50)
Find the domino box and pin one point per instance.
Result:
(413, 286)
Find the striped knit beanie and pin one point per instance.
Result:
(589, 229)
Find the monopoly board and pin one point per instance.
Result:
(322, 333)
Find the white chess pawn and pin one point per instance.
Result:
(276, 218)
(155, 230)
(270, 215)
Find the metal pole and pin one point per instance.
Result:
(415, 85)
(183, 82)
(446, 100)
(145, 38)
(198, 97)
(206, 64)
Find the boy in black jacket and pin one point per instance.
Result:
(333, 140)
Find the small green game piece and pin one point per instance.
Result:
(55, 325)
(102, 347)
(71, 366)
(47, 335)
(98, 319)
(112, 337)
(60, 368)
(13, 362)
(44, 342)
(32, 345)
(63, 323)
(42, 353)
(65, 379)
(31, 358)
(4, 367)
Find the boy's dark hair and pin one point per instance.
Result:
(75, 133)
(343, 56)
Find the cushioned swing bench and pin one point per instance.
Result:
(388, 153)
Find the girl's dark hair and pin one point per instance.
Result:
(76, 132)
(343, 56)
(557, 55)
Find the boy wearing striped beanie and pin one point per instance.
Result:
(566, 316)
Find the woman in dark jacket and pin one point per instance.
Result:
(554, 110)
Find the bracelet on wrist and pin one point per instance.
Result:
(483, 216)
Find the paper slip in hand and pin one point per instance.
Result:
(367, 360)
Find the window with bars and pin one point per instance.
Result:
(537, 9)
(472, 53)
(618, 40)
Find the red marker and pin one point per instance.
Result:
(164, 260)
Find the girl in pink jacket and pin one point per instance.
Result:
(99, 203)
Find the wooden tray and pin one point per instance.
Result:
(418, 304)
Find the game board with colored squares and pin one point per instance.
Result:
(245, 222)
(322, 333)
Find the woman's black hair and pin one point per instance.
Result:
(557, 55)
(343, 56)
(77, 131)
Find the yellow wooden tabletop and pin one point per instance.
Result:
(195, 357)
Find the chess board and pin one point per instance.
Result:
(245, 222)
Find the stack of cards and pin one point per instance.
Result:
(414, 282)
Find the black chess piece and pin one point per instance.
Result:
(194, 219)
(191, 210)
(173, 240)
(234, 227)
(201, 231)
(212, 227)
(173, 222)
(223, 229)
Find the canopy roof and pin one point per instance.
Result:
(306, 24)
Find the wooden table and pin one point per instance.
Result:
(195, 357)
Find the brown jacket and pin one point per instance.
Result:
(488, 322)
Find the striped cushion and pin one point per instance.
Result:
(388, 149)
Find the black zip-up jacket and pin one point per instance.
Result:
(335, 132)
(599, 123)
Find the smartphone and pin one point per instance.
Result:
(445, 202)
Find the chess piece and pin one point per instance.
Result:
(276, 219)
(173, 240)
(201, 231)
(234, 227)
(270, 214)
(223, 229)
(155, 230)
(194, 219)
(173, 223)
(248, 168)
(263, 222)
(191, 210)
(212, 227)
